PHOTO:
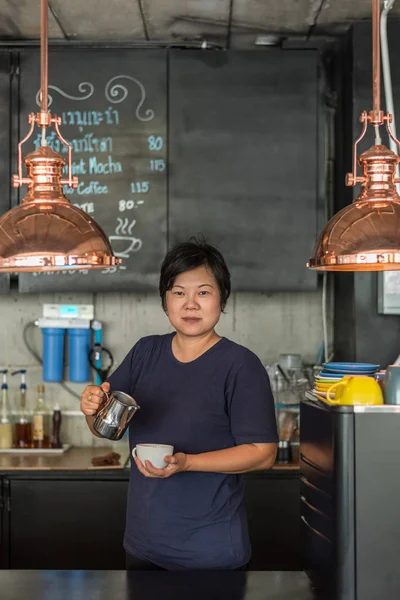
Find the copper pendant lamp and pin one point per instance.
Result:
(46, 232)
(365, 236)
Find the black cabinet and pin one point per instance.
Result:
(64, 521)
(273, 512)
(66, 524)
(4, 537)
(350, 496)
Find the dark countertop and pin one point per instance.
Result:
(154, 585)
(77, 462)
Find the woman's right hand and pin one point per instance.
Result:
(93, 397)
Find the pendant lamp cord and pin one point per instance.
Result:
(376, 57)
(44, 63)
(376, 66)
(387, 78)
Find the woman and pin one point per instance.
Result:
(211, 399)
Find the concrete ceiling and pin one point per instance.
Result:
(229, 23)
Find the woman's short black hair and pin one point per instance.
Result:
(190, 255)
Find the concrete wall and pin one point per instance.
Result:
(268, 324)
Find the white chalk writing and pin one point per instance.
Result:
(86, 144)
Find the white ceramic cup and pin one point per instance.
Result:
(154, 453)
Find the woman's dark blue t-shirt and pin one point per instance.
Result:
(193, 520)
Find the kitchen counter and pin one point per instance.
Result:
(155, 585)
(35, 490)
(80, 459)
(74, 459)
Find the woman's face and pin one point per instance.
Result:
(193, 304)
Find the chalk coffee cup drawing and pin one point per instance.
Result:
(155, 453)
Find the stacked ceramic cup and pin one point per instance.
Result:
(334, 371)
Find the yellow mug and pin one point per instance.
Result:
(355, 390)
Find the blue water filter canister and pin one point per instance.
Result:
(53, 353)
(78, 354)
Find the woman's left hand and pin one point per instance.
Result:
(176, 463)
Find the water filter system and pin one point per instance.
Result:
(68, 326)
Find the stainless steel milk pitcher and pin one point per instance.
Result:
(112, 419)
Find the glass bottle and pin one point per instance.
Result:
(23, 427)
(6, 428)
(55, 434)
(41, 426)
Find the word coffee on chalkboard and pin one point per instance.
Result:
(113, 110)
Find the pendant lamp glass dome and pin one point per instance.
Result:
(365, 236)
(46, 232)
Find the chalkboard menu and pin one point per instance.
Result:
(168, 144)
(113, 109)
(5, 177)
